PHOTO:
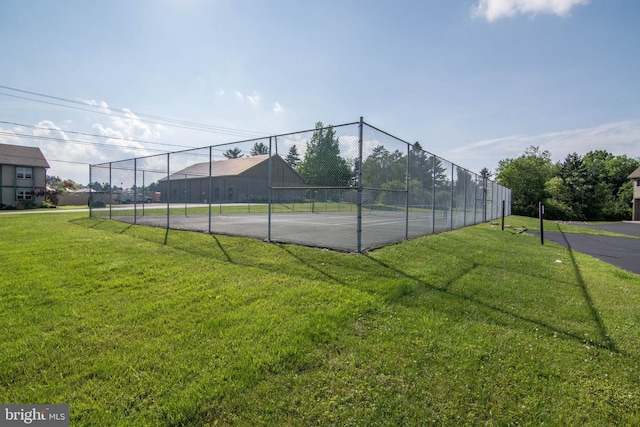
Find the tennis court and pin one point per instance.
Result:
(333, 229)
(353, 188)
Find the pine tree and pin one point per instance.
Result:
(293, 157)
(233, 153)
(322, 163)
(259, 148)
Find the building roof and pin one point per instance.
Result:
(635, 174)
(22, 156)
(229, 167)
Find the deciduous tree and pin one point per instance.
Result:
(526, 177)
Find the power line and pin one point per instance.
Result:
(93, 134)
(69, 161)
(75, 141)
(126, 114)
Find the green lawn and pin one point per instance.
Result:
(142, 326)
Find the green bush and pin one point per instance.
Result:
(98, 204)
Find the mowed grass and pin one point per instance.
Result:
(142, 326)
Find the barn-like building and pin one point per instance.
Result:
(240, 180)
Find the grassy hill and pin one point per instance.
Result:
(140, 326)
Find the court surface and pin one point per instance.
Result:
(335, 230)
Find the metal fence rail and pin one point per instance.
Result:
(351, 187)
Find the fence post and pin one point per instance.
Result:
(484, 198)
(433, 195)
(464, 203)
(90, 201)
(270, 192)
(144, 198)
(475, 201)
(168, 188)
(407, 193)
(110, 190)
(186, 194)
(541, 215)
(453, 169)
(210, 184)
(135, 190)
(359, 193)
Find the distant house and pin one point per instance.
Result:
(635, 175)
(23, 171)
(241, 180)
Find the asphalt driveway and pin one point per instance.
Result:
(623, 252)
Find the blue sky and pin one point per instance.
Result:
(474, 81)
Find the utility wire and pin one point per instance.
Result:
(129, 117)
(127, 114)
(93, 134)
(69, 161)
(75, 141)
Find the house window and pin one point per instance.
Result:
(24, 195)
(24, 173)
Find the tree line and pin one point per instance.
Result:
(590, 187)
(385, 173)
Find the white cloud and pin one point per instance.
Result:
(277, 108)
(618, 138)
(492, 10)
(8, 136)
(124, 129)
(101, 105)
(253, 99)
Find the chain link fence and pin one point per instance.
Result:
(350, 187)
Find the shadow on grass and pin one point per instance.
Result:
(125, 229)
(607, 344)
(83, 222)
(401, 290)
(311, 266)
(604, 335)
(222, 249)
